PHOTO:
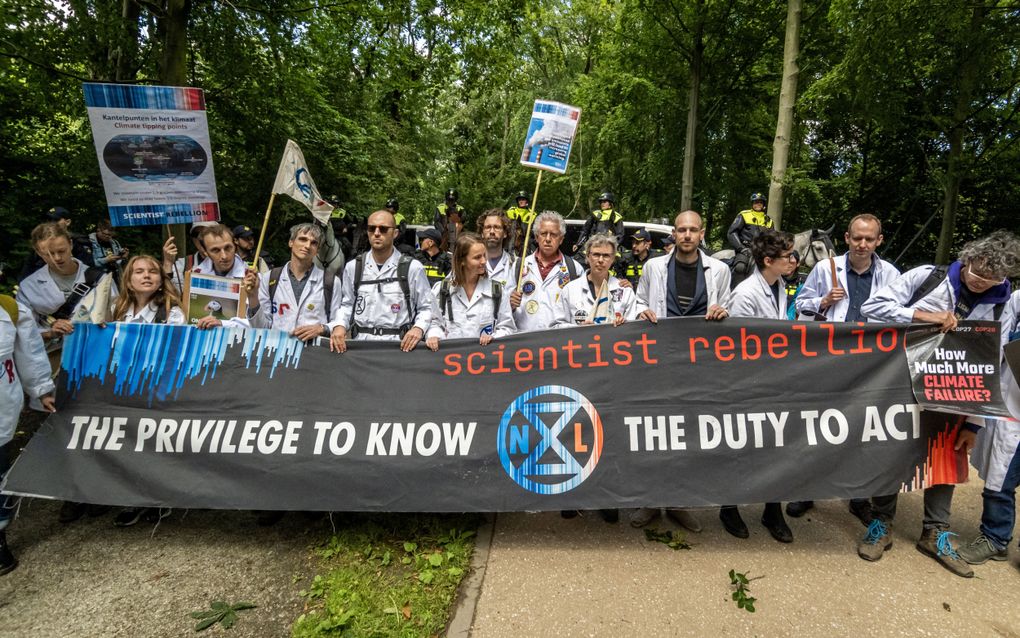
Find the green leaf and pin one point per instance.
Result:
(219, 605)
(228, 620)
(204, 614)
(409, 546)
(207, 623)
(426, 576)
(391, 610)
(455, 571)
(243, 605)
(436, 559)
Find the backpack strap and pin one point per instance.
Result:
(497, 298)
(11, 306)
(403, 268)
(359, 273)
(327, 292)
(571, 267)
(997, 311)
(274, 281)
(161, 314)
(445, 302)
(92, 277)
(934, 279)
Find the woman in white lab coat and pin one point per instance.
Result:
(467, 304)
(763, 295)
(578, 304)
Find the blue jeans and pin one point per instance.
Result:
(1000, 507)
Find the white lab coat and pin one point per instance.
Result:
(576, 302)
(753, 298)
(382, 305)
(471, 317)
(819, 283)
(889, 303)
(285, 312)
(40, 293)
(24, 367)
(651, 289)
(540, 297)
(505, 271)
(997, 441)
(147, 314)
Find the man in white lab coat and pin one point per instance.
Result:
(546, 272)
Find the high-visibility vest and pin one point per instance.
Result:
(756, 218)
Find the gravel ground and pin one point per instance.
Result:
(89, 578)
(547, 576)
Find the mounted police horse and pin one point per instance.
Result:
(812, 245)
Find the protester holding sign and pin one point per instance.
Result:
(23, 359)
(597, 297)
(996, 456)
(835, 290)
(295, 297)
(684, 282)
(146, 296)
(386, 296)
(469, 305)
(973, 287)
(546, 272)
(763, 295)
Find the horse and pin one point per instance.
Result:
(812, 245)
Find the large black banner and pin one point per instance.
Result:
(685, 412)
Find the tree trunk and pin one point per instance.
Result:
(965, 79)
(693, 98)
(784, 122)
(174, 62)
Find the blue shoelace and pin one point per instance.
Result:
(876, 530)
(945, 547)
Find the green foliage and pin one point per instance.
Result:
(388, 575)
(219, 612)
(675, 539)
(741, 586)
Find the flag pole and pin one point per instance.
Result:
(262, 234)
(527, 233)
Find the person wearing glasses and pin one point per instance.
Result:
(386, 295)
(763, 295)
(685, 282)
(975, 286)
(547, 271)
(581, 302)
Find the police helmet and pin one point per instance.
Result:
(607, 197)
(392, 204)
(758, 197)
(523, 195)
(452, 194)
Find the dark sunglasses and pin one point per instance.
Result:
(380, 229)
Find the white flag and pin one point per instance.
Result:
(293, 179)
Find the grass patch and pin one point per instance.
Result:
(388, 575)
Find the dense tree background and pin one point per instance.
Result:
(906, 109)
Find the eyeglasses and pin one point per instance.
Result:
(787, 257)
(986, 280)
(379, 229)
(594, 256)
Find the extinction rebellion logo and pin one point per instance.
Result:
(550, 439)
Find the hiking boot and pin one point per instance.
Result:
(796, 509)
(643, 516)
(980, 550)
(875, 542)
(936, 542)
(861, 508)
(7, 560)
(732, 522)
(684, 518)
(71, 511)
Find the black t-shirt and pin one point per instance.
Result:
(775, 292)
(686, 276)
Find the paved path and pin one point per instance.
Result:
(552, 577)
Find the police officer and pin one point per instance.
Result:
(633, 262)
(448, 219)
(748, 223)
(602, 220)
(403, 243)
(437, 263)
(244, 244)
(386, 295)
(519, 215)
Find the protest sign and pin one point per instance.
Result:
(958, 371)
(550, 136)
(154, 153)
(212, 296)
(680, 413)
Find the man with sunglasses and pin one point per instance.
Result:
(973, 287)
(386, 295)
